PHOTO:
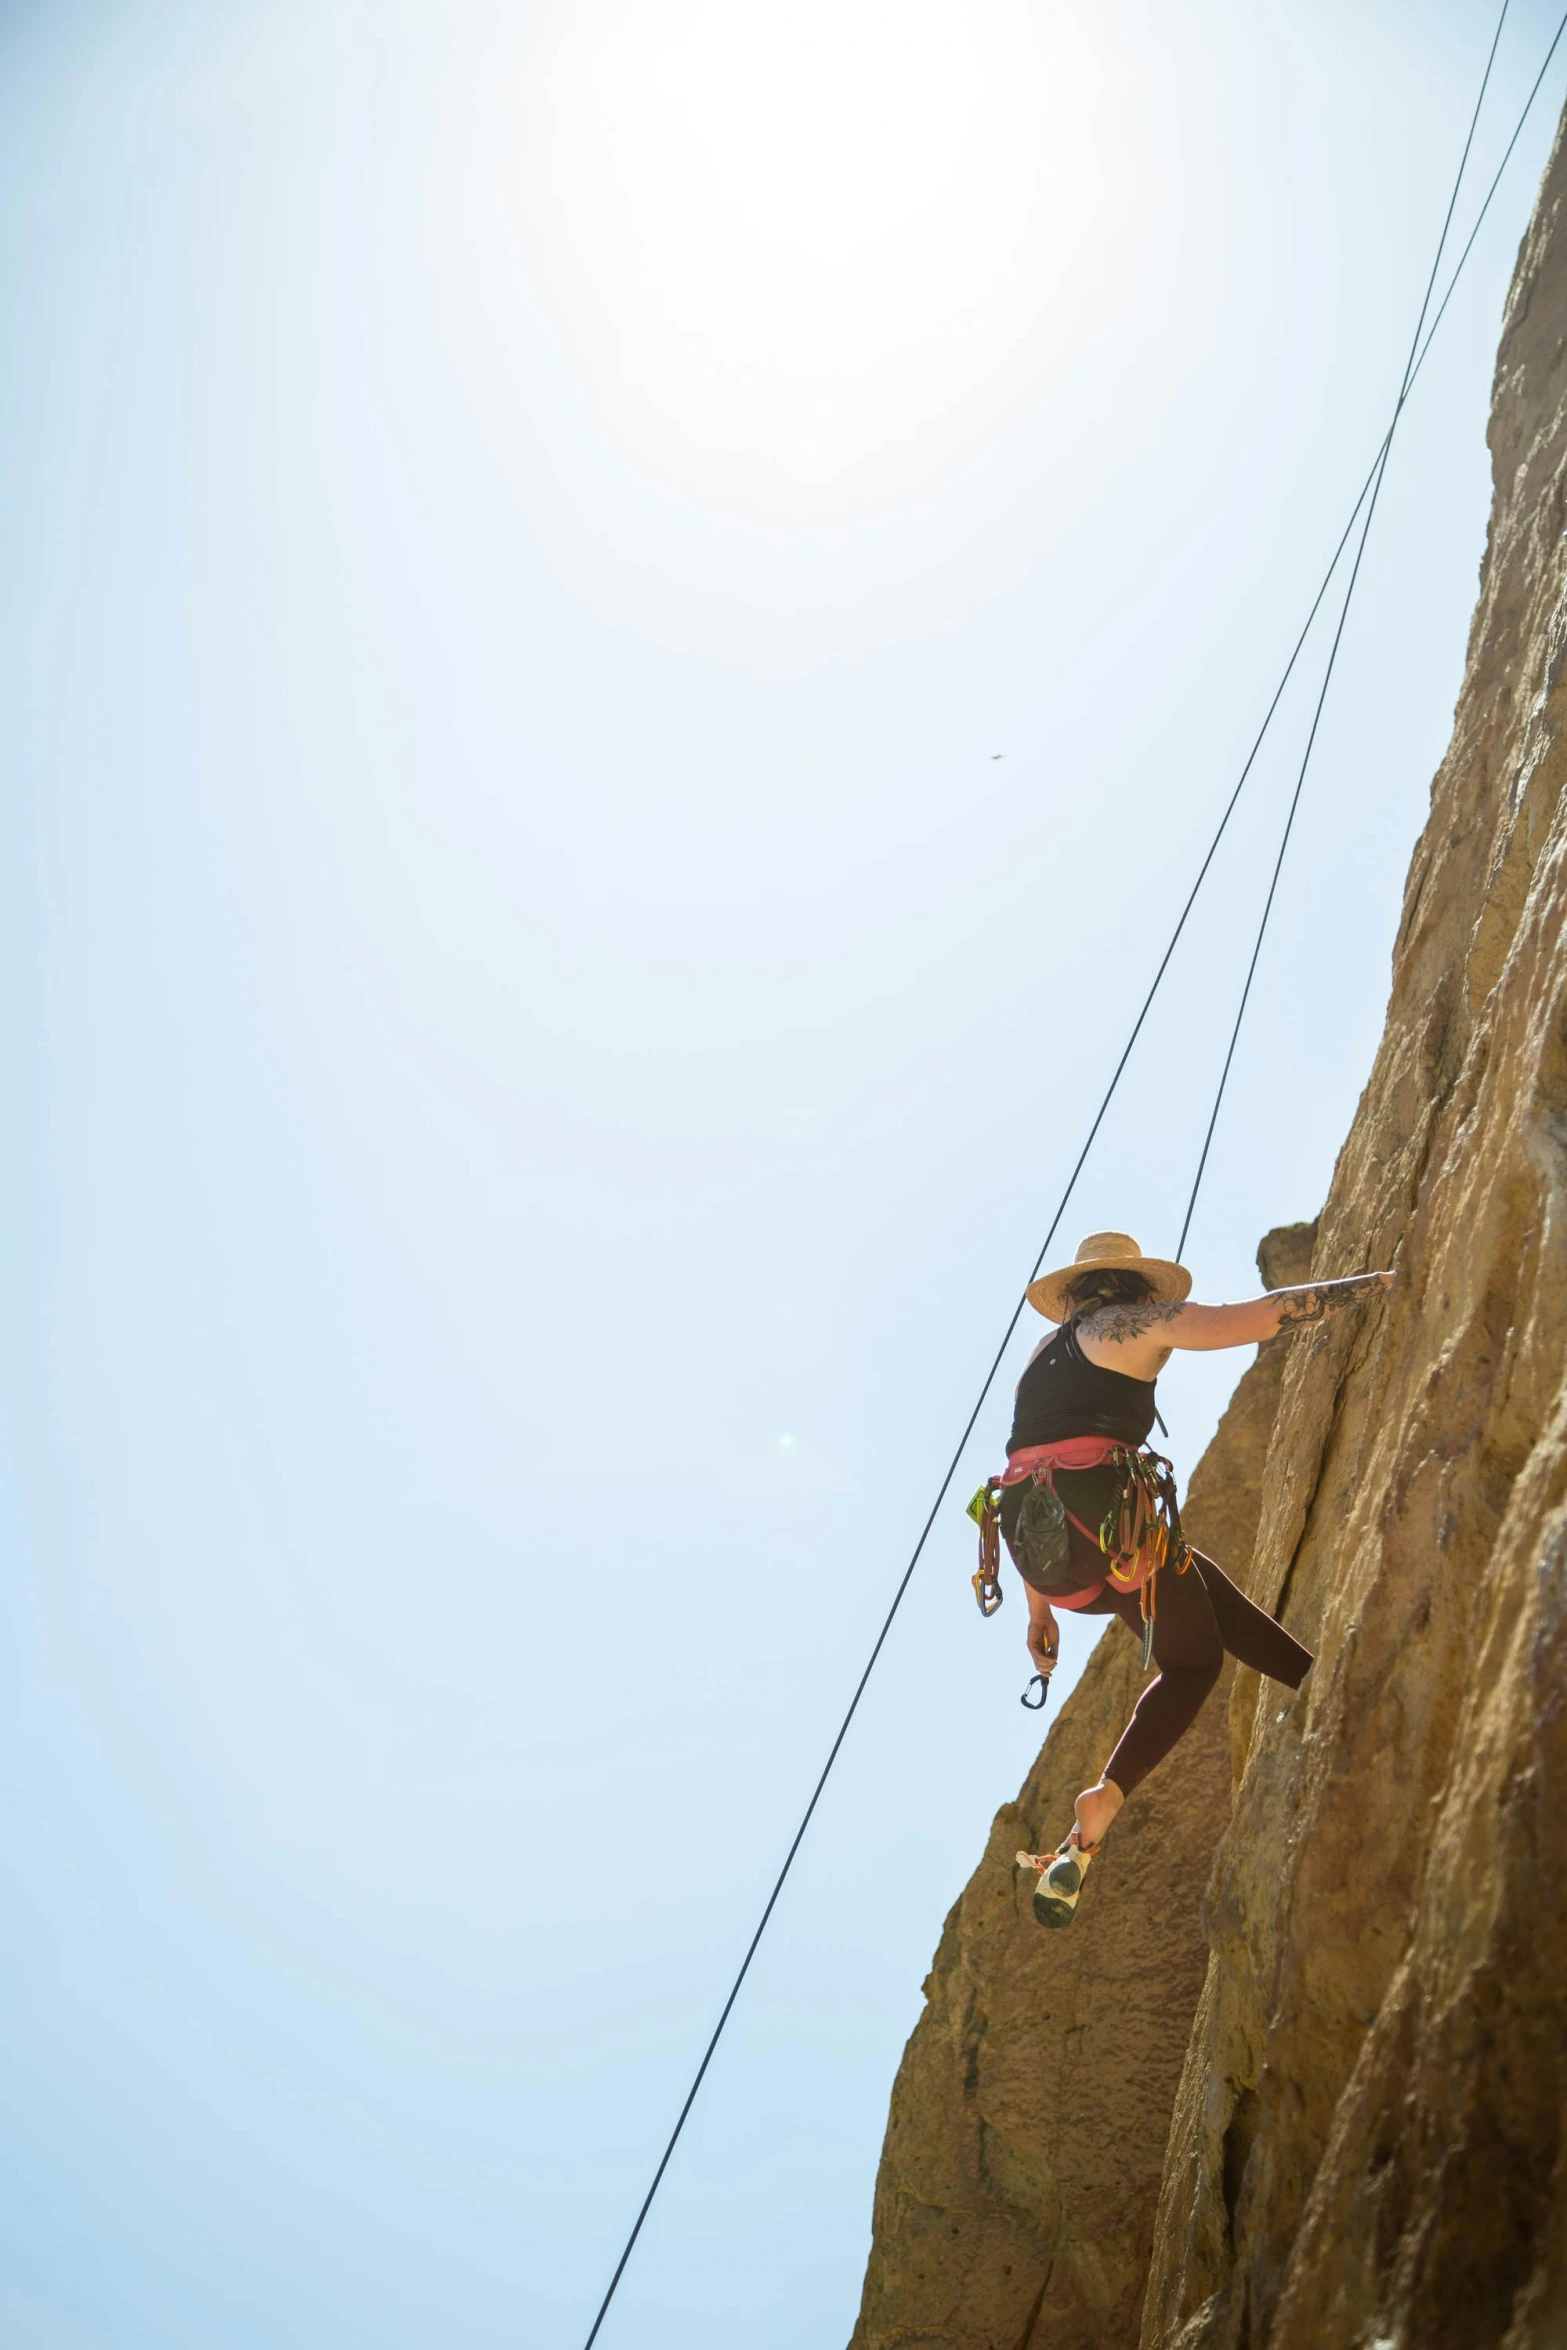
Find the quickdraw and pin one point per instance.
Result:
(1141, 1532)
(1139, 1535)
(985, 1510)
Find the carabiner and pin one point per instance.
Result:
(1036, 1705)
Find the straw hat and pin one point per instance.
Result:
(1108, 1252)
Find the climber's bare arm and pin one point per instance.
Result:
(1044, 1640)
(1140, 1339)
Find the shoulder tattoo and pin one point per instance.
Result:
(1115, 1324)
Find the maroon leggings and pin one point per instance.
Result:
(1200, 1615)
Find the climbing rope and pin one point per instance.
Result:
(1368, 491)
(1374, 481)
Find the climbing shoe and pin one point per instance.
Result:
(1061, 1877)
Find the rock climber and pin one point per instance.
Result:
(1089, 1514)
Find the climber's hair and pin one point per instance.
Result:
(1107, 1287)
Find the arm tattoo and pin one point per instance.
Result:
(1115, 1324)
(1318, 1299)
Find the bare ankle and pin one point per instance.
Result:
(1095, 1808)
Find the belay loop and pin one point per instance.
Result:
(985, 1510)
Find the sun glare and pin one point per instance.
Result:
(787, 206)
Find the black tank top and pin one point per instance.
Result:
(1063, 1394)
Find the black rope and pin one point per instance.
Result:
(1017, 1311)
(1452, 287)
(1507, 156)
(1375, 480)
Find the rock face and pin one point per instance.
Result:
(1367, 2145)
(1366, 2100)
(1019, 2154)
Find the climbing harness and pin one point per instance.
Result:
(1139, 1534)
(987, 1585)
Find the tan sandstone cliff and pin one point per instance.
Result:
(1352, 2137)
(1019, 2151)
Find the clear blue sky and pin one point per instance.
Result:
(541, 1039)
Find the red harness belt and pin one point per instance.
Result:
(1145, 1537)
